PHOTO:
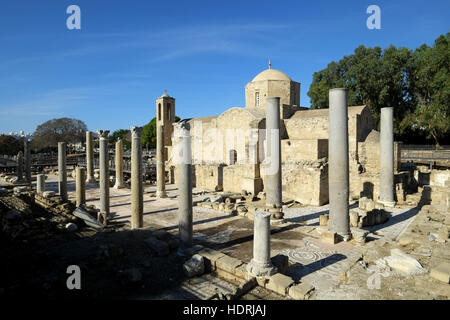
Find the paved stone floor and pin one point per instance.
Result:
(311, 260)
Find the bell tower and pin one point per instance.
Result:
(165, 116)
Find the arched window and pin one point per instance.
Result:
(159, 111)
(232, 156)
(169, 112)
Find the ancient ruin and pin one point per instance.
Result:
(266, 201)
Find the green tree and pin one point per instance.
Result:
(123, 134)
(149, 133)
(374, 77)
(430, 83)
(10, 145)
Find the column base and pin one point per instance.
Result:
(161, 194)
(389, 204)
(118, 186)
(261, 270)
(276, 213)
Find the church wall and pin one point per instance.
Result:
(295, 150)
(305, 183)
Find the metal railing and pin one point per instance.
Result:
(424, 153)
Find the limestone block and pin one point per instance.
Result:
(444, 233)
(400, 261)
(362, 203)
(359, 235)
(323, 219)
(329, 237)
(241, 271)
(194, 266)
(301, 291)
(211, 256)
(370, 205)
(279, 283)
(441, 272)
(228, 264)
(354, 218)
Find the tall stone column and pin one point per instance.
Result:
(40, 184)
(20, 166)
(27, 155)
(119, 164)
(62, 170)
(89, 157)
(183, 160)
(104, 173)
(80, 185)
(272, 167)
(137, 189)
(160, 168)
(261, 265)
(338, 168)
(387, 157)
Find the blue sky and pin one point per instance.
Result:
(110, 72)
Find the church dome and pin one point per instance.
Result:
(271, 74)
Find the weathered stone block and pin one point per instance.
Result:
(279, 283)
(194, 266)
(441, 272)
(329, 237)
(359, 235)
(444, 233)
(301, 291)
(211, 256)
(354, 218)
(228, 264)
(323, 219)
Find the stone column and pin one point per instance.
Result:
(40, 184)
(80, 183)
(20, 166)
(387, 157)
(338, 168)
(137, 189)
(261, 265)
(62, 170)
(183, 160)
(89, 158)
(273, 156)
(104, 174)
(27, 155)
(119, 164)
(160, 169)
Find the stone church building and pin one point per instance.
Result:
(228, 149)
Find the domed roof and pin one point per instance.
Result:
(271, 74)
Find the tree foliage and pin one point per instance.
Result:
(430, 85)
(123, 134)
(48, 134)
(414, 83)
(10, 145)
(149, 133)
